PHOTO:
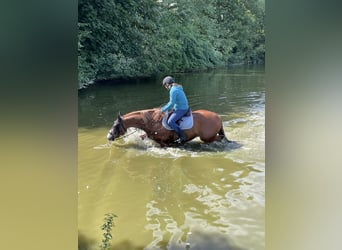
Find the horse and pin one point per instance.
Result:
(207, 125)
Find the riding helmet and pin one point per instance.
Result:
(168, 80)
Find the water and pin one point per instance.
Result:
(209, 196)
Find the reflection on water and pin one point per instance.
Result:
(202, 196)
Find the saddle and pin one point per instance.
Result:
(186, 122)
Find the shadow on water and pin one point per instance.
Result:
(85, 243)
(197, 240)
(196, 146)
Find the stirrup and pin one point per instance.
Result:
(180, 141)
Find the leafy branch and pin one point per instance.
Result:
(107, 231)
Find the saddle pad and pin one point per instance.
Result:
(186, 122)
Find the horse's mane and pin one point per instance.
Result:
(150, 114)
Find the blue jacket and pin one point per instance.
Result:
(177, 101)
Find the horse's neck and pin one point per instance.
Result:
(140, 119)
(135, 120)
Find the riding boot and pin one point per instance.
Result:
(181, 135)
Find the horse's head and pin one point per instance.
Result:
(117, 130)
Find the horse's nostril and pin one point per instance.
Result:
(110, 137)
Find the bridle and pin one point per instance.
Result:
(121, 126)
(118, 128)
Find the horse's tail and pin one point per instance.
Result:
(223, 135)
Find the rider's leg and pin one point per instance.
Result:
(175, 116)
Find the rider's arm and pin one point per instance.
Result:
(172, 102)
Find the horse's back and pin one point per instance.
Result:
(207, 115)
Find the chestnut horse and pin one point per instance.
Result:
(207, 125)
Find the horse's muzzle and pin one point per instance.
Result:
(110, 136)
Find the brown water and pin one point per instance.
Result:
(211, 196)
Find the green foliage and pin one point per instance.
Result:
(241, 23)
(107, 231)
(135, 38)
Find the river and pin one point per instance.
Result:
(208, 196)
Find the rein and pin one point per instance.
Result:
(126, 135)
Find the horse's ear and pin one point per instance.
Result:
(119, 115)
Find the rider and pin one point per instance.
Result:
(178, 102)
